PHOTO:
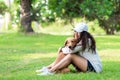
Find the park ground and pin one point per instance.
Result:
(22, 54)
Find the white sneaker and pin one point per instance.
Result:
(42, 70)
(46, 72)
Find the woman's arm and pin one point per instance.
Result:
(78, 48)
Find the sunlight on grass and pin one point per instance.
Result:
(40, 44)
(106, 55)
(110, 55)
(39, 55)
(111, 44)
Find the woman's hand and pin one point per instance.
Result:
(76, 35)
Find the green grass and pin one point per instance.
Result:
(22, 54)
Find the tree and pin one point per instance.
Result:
(31, 10)
(3, 7)
(66, 9)
(26, 15)
(107, 12)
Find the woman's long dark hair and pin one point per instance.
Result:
(84, 38)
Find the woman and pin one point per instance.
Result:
(84, 56)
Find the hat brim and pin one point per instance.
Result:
(75, 30)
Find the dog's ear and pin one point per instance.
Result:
(65, 43)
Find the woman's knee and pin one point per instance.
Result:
(73, 55)
(70, 55)
(61, 54)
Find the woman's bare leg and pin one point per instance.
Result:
(78, 61)
(58, 59)
(60, 56)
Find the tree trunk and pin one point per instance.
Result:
(109, 30)
(25, 15)
(106, 26)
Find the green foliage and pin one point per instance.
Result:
(3, 7)
(65, 8)
(15, 13)
(99, 8)
(41, 12)
(106, 11)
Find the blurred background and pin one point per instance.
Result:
(59, 16)
(26, 43)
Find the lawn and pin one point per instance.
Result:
(22, 54)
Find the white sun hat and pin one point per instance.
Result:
(80, 27)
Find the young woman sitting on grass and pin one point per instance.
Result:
(84, 56)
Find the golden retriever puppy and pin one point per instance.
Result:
(71, 43)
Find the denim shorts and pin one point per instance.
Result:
(90, 68)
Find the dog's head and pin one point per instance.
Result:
(71, 42)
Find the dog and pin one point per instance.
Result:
(70, 43)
